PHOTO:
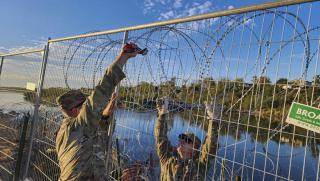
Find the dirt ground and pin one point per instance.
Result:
(9, 143)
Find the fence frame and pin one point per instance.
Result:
(1, 65)
(15, 54)
(21, 146)
(126, 30)
(37, 105)
(228, 12)
(110, 132)
(3, 56)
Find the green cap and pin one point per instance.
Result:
(190, 136)
(71, 99)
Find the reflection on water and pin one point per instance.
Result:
(10, 98)
(283, 155)
(238, 147)
(14, 101)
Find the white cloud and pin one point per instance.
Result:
(177, 4)
(31, 45)
(148, 5)
(188, 9)
(4, 50)
(230, 7)
(192, 11)
(197, 25)
(166, 15)
(163, 2)
(195, 4)
(205, 7)
(169, 9)
(197, 8)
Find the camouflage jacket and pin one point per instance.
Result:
(175, 169)
(81, 153)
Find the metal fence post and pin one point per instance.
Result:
(110, 133)
(37, 105)
(118, 159)
(1, 65)
(238, 178)
(21, 146)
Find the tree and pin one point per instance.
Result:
(282, 81)
(169, 83)
(239, 82)
(264, 80)
(316, 80)
(261, 80)
(254, 79)
(208, 82)
(168, 88)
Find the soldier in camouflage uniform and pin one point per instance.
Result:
(184, 162)
(81, 149)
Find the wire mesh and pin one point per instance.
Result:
(19, 75)
(253, 65)
(74, 64)
(260, 62)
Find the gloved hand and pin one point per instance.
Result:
(133, 48)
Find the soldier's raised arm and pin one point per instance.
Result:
(210, 145)
(163, 145)
(78, 133)
(92, 108)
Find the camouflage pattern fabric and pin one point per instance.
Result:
(71, 99)
(81, 153)
(175, 169)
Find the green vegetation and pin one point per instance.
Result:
(258, 97)
(48, 96)
(252, 108)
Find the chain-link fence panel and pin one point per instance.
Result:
(18, 83)
(227, 81)
(74, 64)
(253, 66)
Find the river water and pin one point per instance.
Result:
(241, 155)
(245, 151)
(14, 101)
